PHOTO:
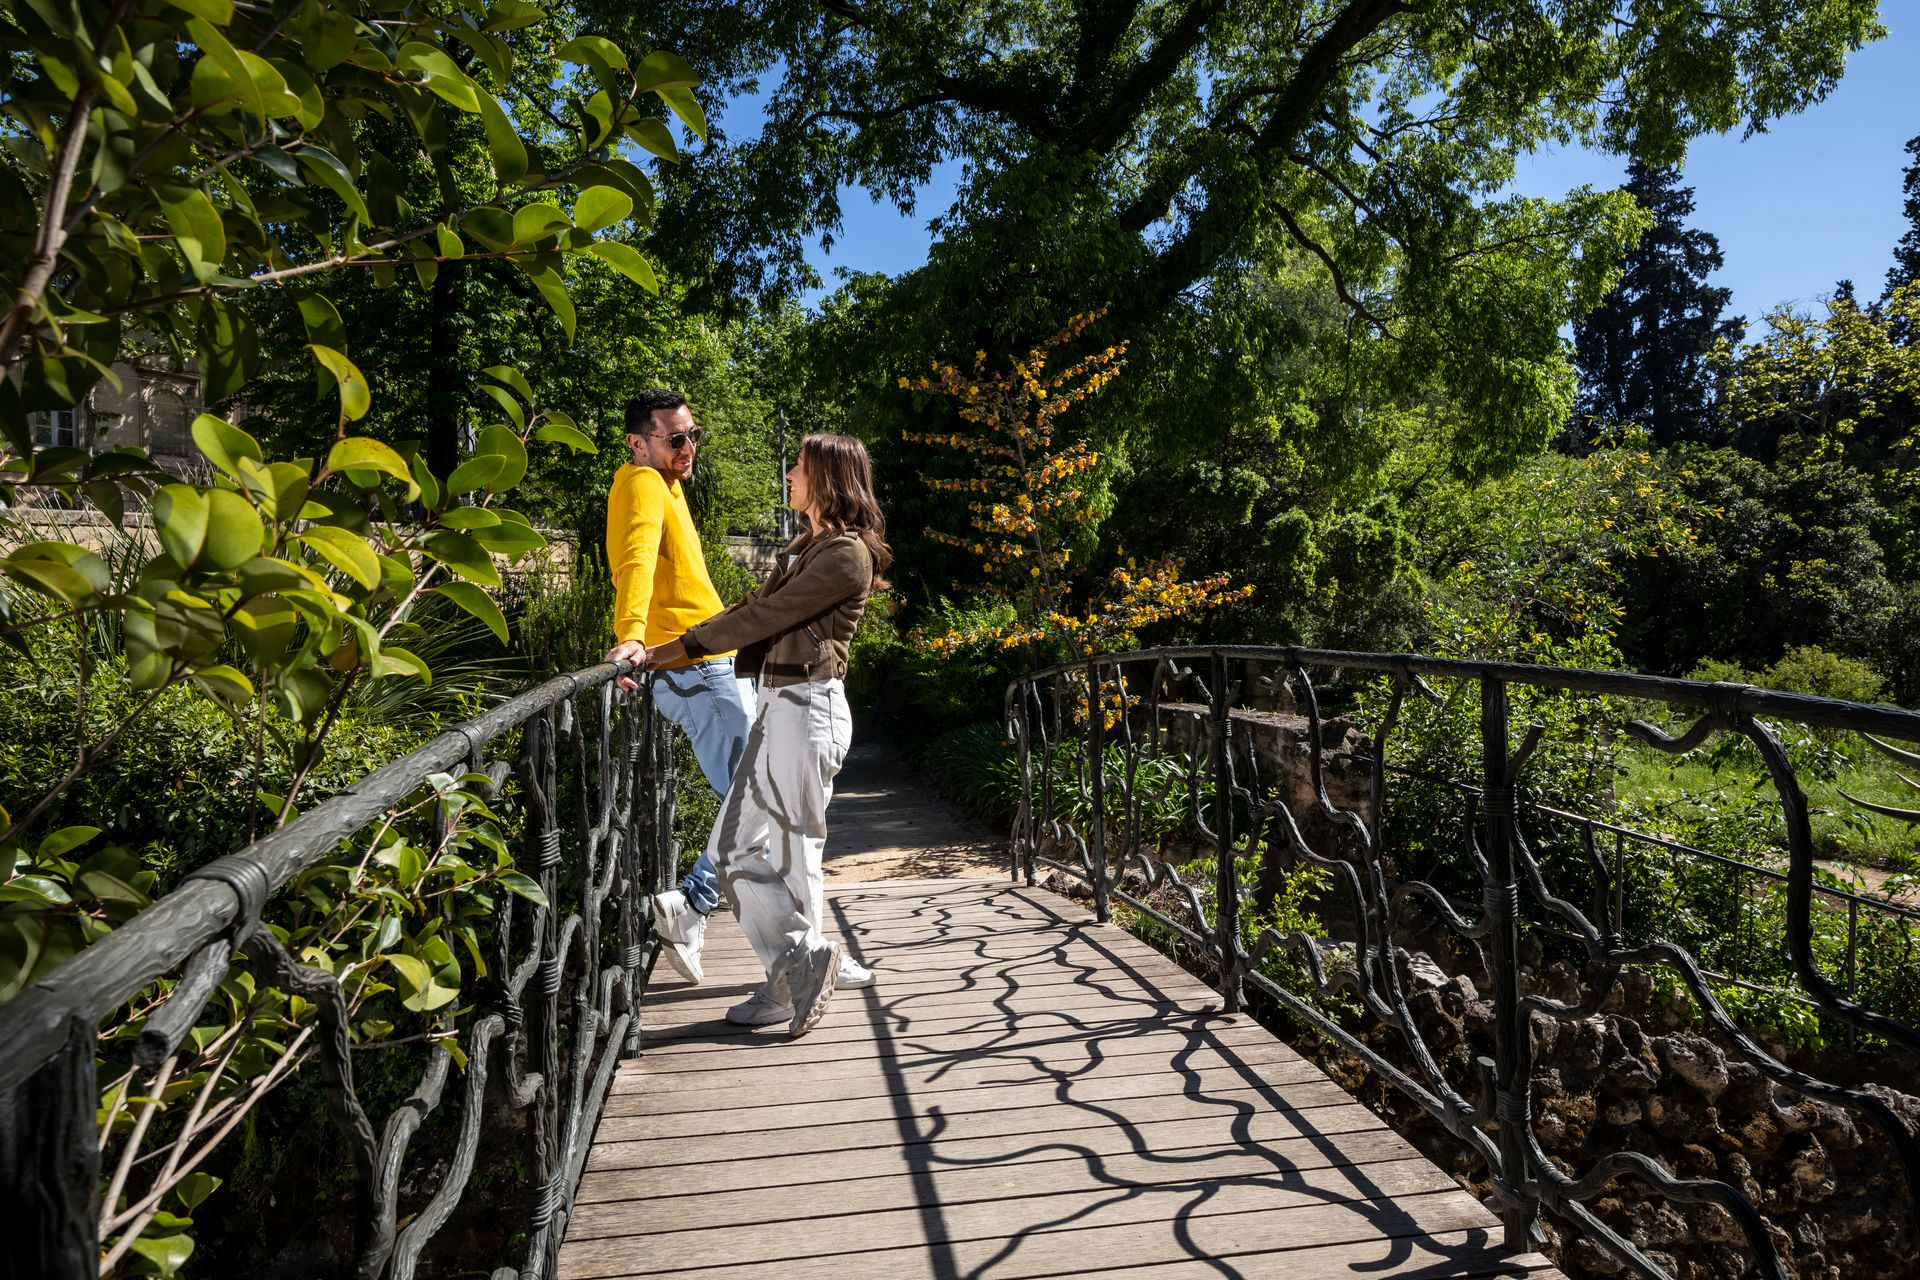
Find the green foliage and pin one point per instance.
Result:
(562, 624)
(1804, 670)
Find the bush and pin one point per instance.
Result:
(1815, 671)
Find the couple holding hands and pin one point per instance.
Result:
(773, 768)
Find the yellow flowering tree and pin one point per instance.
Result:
(1027, 498)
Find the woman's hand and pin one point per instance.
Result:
(627, 651)
(661, 654)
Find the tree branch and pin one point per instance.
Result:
(1312, 246)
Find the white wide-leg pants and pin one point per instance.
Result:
(768, 841)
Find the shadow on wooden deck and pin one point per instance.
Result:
(1023, 1093)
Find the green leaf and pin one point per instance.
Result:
(600, 207)
(490, 226)
(477, 472)
(627, 261)
(355, 396)
(511, 15)
(449, 242)
(224, 684)
(663, 70)
(503, 142)
(554, 290)
(466, 557)
(441, 75)
(564, 433)
(396, 661)
(196, 228)
(195, 1188)
(58, 844)
(512, 377)
(536, 222)
(360, 453)
(223, 443)
(180, 516)
(264, 626)
(38, 889)
(655, 137)
(597, 52)
(234, 531)
(522, 885)
(324, 167)
(323, 323)
(687, 107)
(166, 1254)
(510, 539)
(478, 603)
(345, 551)
(218, 12)
(505, 400)
(469, 518)
(497, 440)
(51, 577)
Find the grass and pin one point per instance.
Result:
(1842, 832)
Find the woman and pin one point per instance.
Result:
(772, 829)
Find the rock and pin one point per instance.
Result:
(1622, 1112)
(1697, 1061)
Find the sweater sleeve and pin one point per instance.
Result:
(636, 518)
(836, 572)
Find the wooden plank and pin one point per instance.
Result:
(1024, 1092)
(1146, 1060)
(1371, 1188)
(683, 1118)
(1409, 1235)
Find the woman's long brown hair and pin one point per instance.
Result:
(840, 484)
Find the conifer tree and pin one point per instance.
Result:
(1642, 354)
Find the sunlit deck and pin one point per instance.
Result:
(1023, 1093)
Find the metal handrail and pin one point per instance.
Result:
(622, 819)
(1073, 713)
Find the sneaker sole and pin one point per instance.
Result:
(828, 981)
(688, 969)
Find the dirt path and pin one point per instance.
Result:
(887, 823)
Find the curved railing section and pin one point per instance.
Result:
(1133, 765)
(527, 1062)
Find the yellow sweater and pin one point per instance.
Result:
(660, 582)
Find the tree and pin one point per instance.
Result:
(1643, 352)
(1906, 254)
(1137, 152)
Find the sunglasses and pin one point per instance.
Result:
(681, 439)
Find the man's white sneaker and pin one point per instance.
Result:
(853, 975)
(810, 978)
(683, 931)
(761, 1009)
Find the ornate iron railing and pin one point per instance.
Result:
(537, 1049)
(1106, 743)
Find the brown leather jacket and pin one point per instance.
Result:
(806, 610)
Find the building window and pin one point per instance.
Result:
(56, 428)
(172, 436)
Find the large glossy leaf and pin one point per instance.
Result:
(504, 444)
(478, 603)
(512, 377)
(441, 75)
(346, 551)
(536, 222)
(222, 443)
(359, 453)
(503, 141)
(180, 518)
(627, 261)
(355, 396)
(234, 532)
(565, 433)
(466, 557)
(554, 290)
(325, 168)
(600, 207)
(196, 229)
(663, 70)
(477, 472)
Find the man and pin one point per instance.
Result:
(660, 589)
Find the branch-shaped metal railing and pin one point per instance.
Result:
(537, 1048)
(1089, 734)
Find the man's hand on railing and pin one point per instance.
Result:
(627, 651)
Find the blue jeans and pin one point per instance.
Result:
(704, 700)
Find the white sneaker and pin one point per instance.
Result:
(810, 977)
(853, 975)
(683, 931)
(761, 1009)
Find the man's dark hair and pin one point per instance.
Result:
(640, 409)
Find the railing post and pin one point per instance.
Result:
(1023, 841)
(1097, 781)
(50, 1167)
(1226, 913)
(1512, 1044)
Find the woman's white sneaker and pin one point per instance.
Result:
(761, 1009)
(853, 975)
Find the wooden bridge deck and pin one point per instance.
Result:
(1023, 1093)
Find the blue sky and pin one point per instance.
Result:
(1813, 200)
